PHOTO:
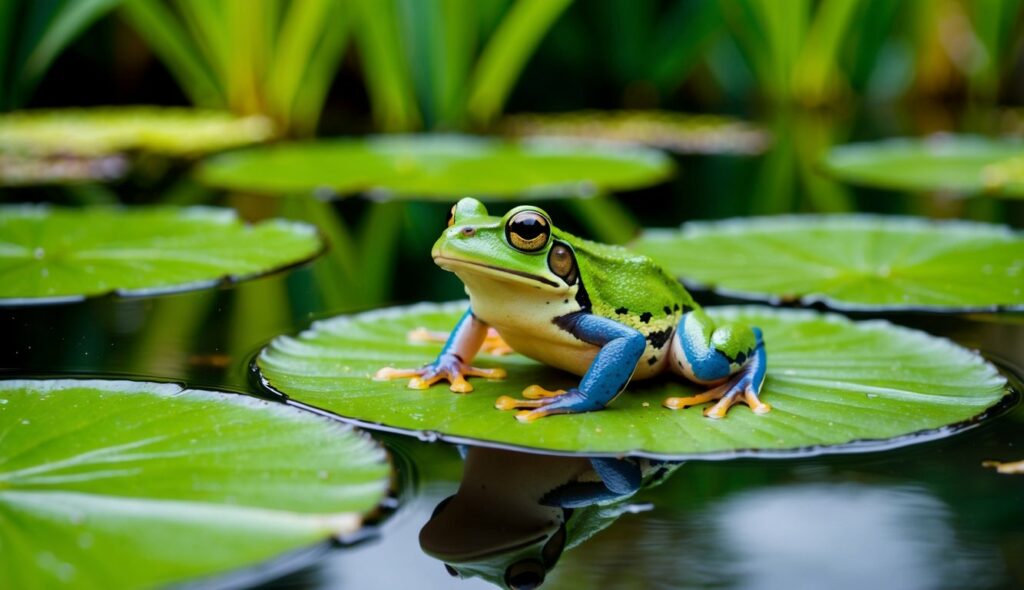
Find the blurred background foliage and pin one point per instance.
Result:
(812, 73)
(453, 64)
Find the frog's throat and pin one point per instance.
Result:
(446, 263)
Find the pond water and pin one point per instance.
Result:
(923, 516)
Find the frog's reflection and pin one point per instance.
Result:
(514, 513)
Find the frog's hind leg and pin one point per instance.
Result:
(731, 357)
(612, 368)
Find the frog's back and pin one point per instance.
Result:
(631, 288)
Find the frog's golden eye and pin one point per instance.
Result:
(562, 262)
(451, 216)
(528, 231)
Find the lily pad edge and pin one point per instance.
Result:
(1014, 388)
(218, 282)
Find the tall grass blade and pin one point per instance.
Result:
(816, 77)
(384, 66)
(682, 40)
(73, 18)
(308, 98)
(205, 21)
(506, 54)
(171, 42)
(297, 43)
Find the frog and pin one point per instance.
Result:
(599, 311)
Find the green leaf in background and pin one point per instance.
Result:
(953, 164)
(122, 484)
(438, 167)
(855, 262)
(676, 132)
(830, 382)
(99, 131)
(49, 254)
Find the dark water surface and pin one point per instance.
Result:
(924, 516)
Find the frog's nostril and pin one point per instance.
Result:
(468, 232)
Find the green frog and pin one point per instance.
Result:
(595, 310)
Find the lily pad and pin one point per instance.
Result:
(677, 132)
(851, 262)
(93, 132)
(123, 484)
(957, 164)
(835, 386)
(54, 255)
(438, 167)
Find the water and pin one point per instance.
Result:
(924, 516)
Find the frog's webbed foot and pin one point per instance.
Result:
(541, 402)
(448, 367)
(493, 342)
(740, 388)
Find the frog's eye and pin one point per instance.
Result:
(451, 216)
(562, 262)
(528, 231)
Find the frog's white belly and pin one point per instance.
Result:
(524, 322)
(523, 315)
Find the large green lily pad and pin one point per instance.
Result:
(835, 385)
(120, 484)
(91, 132)
(955, 164)
(853, 262)
(52, 254)
(438, 167)
(677, 132)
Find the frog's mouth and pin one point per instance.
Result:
(447, 264)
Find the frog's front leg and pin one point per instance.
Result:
(493, 342)
(730, 356)
(452, 364)
(621, 348)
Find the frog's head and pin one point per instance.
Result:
(520, 247)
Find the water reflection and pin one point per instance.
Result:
(514, 514)
(843, 536)
(804, 535)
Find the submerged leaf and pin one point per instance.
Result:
(50, 254)
(438, 167)
(1006, 468)
(855, 262)
(677, 132)
(958, 164)
(134, 485)
(835, 385)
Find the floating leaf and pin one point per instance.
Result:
(677, 132)
(854, 262)
(122, 484)
(50, 254)
(964, 164)
(832, 383)
(438, 167)
(110, 130)
(89, 144)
